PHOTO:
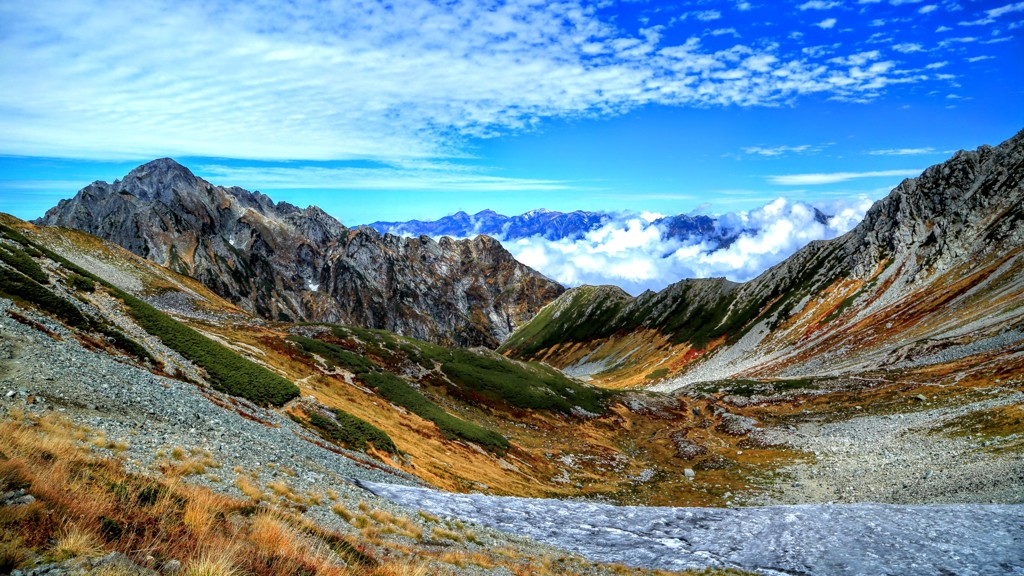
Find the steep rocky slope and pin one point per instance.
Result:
(286, 263)
(933, 275)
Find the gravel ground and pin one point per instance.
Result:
(901, 459)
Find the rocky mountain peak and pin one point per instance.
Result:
(286, 263)
(158, 178)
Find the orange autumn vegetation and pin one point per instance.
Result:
(88, 506)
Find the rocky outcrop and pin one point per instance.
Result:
(287, 263)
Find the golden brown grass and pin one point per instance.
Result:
(250, 488)
(73, 541)
(342, 512)
(220, 563)
(406, 569)
(89, 505)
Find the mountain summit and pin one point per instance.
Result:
(287, 263)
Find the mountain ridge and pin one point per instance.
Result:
(287, 263)
(827, 301)
(553, 225)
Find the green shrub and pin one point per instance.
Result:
(396, 390)
(228, 371)
(23, 263)
(125, 343)
(352, 432)
(12, 234)
(81, 283)
(535, 387)
(659, 373)
(17, 285)
(335, 355)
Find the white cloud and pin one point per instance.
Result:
(414, 176)
(827, 23)
(836, 177)
(902, 151)
(927, 9)
(1002, 10)
(936, 65)
(974, 59)
(631, 252)
(961, 40)
(818, 5)
(908, 47)
(359, 80)
(780, 150)
(707, 15)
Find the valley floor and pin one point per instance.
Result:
(940, 448)
(904, 457)
(245, 487)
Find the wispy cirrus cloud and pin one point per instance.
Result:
(362, 80)
(903, 151)
(837, 177)
(413, 176)
(819, 5)
(772, 151)
(994, 14)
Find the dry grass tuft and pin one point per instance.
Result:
(74, 541)
(342, 512)
(250, 488)
(200, 515)
(220, 563)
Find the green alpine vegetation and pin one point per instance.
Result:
(534, 386)
(228, 371)
(20, 287)
(351, 431)
(23, 263)
(400, 393)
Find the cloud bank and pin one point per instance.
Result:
(632, 252)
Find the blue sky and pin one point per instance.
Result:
(410, 109)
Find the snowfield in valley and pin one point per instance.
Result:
(876, 539)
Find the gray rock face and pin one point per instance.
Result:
(283, 262)
(825, 540)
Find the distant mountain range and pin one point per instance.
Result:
(552, 225)
(286, 263)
